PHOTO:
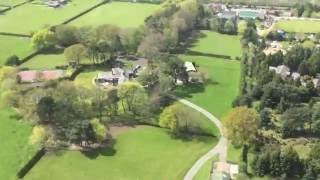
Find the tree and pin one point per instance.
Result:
(132, 96)
(151, 45)
(75, 53)
(294, 119)
(12, 61)
(43, 39)
(38, 135)
(99, 129)
(67, 35)
(242, 26)
(290, 162)
(45, 109)
(230, 27)
(265, 118)
(242, 125)
(294, 57)
(168, 119)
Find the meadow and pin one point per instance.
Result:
(213, 43)
(300, 26)
(15, 148)
(122, 14)
(139, 153)
(18, 19)
(14, 46)
(45, 61)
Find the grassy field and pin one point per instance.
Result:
(217, 95)
(11, 2)
(139, 153)
(24, 20)
(219, 44)
(122, 14)
(45, 61)
(14, 45)
(15, 149)
(299, 26)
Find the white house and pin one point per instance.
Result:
(190, 67)
(295, 75)
(282, 70)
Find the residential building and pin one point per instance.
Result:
(224, 171)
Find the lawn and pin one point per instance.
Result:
(15, 149)
(122, 14)
(204, 172)
(84, 79)
(14, 45)
(139, 153)
(303, 26)
(24, 20)
(217, 44)
(11, 2)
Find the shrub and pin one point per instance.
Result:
(12, 61)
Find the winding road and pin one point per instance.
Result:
(220, 149)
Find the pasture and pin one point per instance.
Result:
(15, 149)
(18, 19)
(139, 153)
(122, 14)
(14, 46)
(45, 61)
(84, 79)
(300, 26)
(213, 43)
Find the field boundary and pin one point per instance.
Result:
(31, 163)
(140, 1)
(84, 12)
(15, 6)
(15, 35)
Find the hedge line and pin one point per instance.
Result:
(14, 34)
(84, 12)
(15, 6)
(33, 161)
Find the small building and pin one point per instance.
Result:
(190, 67)
(282, 70)
(251, 14)
(114, 77)
(227, 15)
(28, 76)
(316, 82)
(224, 171)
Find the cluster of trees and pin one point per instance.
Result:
(225, 26)
(307, 10)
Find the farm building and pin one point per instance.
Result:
(224, 171)
(251, 14)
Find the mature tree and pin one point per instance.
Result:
(46, 109)
(242, 26)
(294, 57)
(131, 38)
(168, 119)
(265, 118)
(38, 135)
(290, 162)
(294, 120)
(75, 53)
(132, 96)
(43, 39)
(152, 45)
(230, 27)
(242, 125)
(67, 35)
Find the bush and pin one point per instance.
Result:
(12, 61)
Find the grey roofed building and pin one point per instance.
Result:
(227, 15)
(114, 77)
(282, 70)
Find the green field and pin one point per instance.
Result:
(85, 78)
(139, 153)
(15, 149)
(45, 61)
(11, 2)
(302, 26)
(14, 45)
(217, 44)
(122, 14)
(35, 15)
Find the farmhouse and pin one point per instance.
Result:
(227, 15)
(190, 67)
(114, 77)
(224, 171)
(34, 76)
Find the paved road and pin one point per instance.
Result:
(220, 149)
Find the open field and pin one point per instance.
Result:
(139, 153)
(11, 2)
(45, 61)
(18, 20)
(14, 45)
(122, 14)
(217, 44)
(15, 149)
(217, 95)
(302, 26)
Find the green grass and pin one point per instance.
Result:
(234, 153)
(45, 61)
(14, 46)
(219, 44)
(122, 14)
(204, 172)
(217, 95)
(84, 79)
(11, 2)
(303, 26)
(139, 153)
(33, 16)
(15, 149)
